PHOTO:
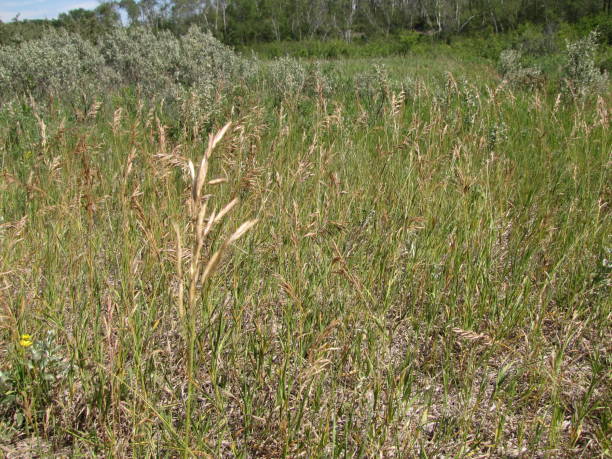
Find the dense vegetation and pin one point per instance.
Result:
(240, 22)
(405, 256)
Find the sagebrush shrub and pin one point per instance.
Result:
(203, 57)
(59, 63)
(287, 77)
(205, 72)
(515, 73)
(160, 64)
(138, 56)
(581, 74)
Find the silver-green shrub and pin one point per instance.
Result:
(515, 73)
(161, 63)
(204, 58)
(287, 77)
(138, 56)
(580, 73)
(205, 73)
(59, 63)
(193, 73)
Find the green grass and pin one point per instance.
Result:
(427, 277)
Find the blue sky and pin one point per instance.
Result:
(40, 9)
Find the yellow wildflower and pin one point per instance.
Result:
(25, 340)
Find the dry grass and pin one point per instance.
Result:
(429, 277)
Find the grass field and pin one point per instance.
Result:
(422, 270)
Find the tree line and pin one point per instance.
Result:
(248, 21)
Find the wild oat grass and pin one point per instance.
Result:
(429, 275)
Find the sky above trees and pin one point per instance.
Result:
(40, 9)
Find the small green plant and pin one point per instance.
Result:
(37, 371)
(497, 134)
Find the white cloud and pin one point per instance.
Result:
(85, 5)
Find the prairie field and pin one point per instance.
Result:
(395, 257)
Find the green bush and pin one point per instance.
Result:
(602, 23)
(488, 47)
(605, 62)
(409, 40)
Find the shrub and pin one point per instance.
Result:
(204, 71)
(137, 56)
(287, 77)
(63, 62)
(59, 63)
(409, 40)
(535, 41)
(605, 64)
(602, 23)
(204, 58)
(194, 71)
(515, 73)
(580, 72)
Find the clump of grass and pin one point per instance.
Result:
(202, 223)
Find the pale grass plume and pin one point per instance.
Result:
(472, 336)
(200, 271)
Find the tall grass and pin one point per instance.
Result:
(429, 276)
